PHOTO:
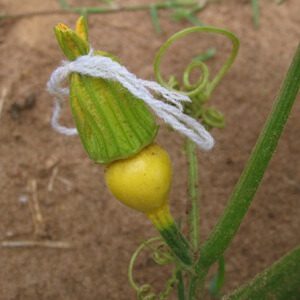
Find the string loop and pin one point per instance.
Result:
(165, 103)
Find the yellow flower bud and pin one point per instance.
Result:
(82, 28)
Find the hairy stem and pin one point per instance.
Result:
(218, 280)
(197, 283)
(180, 285)
(280, 281)
(193, 190)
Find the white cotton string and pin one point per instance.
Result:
(169, 109)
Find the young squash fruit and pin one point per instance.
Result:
(143, 182)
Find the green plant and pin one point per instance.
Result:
(256, 11)
(191, 259)
(212, 250)
(181, 10)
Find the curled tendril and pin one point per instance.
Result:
(213, 118)
(200, 85)
(204, 85)
(161, 256)
(145, 293)
(173, 83)
(171, 283)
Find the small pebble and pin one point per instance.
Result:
(23, 199)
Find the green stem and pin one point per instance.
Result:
(155, 19)
(280, 281)
(33, 14)
(165, 224)
(194, 219)
(218, 280)
(197, 283)
(178, 244)
(67, 9)
(255, 12)
(128, 8)
(180, 285)
(252, 175)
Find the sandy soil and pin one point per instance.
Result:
(79, 210)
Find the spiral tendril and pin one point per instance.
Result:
(213, 117)
(203, 85)
(162, 256)
(171, 283)
(200, 85)
(145, 293)
(200, 91)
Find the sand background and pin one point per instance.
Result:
(79, 209)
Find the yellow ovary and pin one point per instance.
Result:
(143, 181)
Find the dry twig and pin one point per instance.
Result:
(52, 179)
(39, 225)
(29, 244)
(2, 99)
